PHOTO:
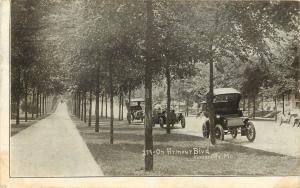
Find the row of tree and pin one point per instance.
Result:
(34, 71)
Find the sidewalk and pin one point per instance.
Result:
(51, 147)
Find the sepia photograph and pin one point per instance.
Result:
(154, 88)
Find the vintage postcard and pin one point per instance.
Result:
(156, 92)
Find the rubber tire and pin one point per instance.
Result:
(161, 122)
(182, 122)
(205, 130)
(153, 122)
(221, 130)
(292, 121)
(234, 133)
(281, 121)
(128, 118)
(251, 126)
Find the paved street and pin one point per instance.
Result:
(270, 136)
(51, 148)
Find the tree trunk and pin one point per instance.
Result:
(82, 106)
(283, 103)
(41, 104)
(111, 141)
(102, 100)
(79, 104)
(244, 103)
(32, 104)
(43, 98)
(129, 101)
(45, 103)
(262, 106)
(210, 102)
(18, 95)
(148, 148)
(275, 100)
(122, 103)
(84, 110)
(97, 100)
(97, 114)
(248, 101)
(37, 104)
(187, 106)
(168, 78)
(76, 106)
(26, 95)
(120, 100)
(105, 105)
(75, 103)
(254, 106)
(90, 108)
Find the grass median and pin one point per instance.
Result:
(177, 154)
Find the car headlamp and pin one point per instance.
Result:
(218, 116)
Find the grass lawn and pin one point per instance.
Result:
(176, 154)
(15, 129)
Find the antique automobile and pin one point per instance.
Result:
(228, 117)
(291, 117)
(160, 117)
(136, 110)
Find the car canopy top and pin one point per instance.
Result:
(222, 91)
(226, 101)
(137, 100)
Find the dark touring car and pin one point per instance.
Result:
(136, 110)
(228, 117)
(160, 117)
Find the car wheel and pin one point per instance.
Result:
(205, 130)
(161, 122)
(251, 132)
(281, 121)
(182, 121)
(153, 122)
(233, 133)
(128, 118)
(292, 121)
(219, 132)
